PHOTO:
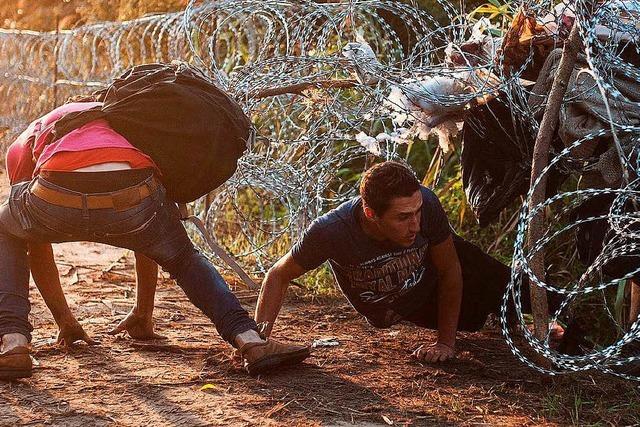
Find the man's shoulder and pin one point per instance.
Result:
(325, 238)
(428, 196)
(337, 219)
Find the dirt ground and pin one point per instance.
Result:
(369, 379)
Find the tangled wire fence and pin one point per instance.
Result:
(316, 77)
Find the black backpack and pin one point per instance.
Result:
(193, 131)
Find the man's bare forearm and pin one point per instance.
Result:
(270, 300)
(146, 278)
(45, 275)
(449, 301)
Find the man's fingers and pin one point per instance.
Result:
(448, 355)
(68, 341)
(89, 340)
(116, 330)
(429, 356)
(424, 354)
(433, 354)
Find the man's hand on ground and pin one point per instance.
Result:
(139, 326)
(437, 352)
(556, 335)
(71, 332)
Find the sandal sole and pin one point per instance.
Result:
(277, 360)
(12, 374)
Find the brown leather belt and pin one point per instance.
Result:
(118, 200)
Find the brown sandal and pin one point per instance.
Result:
(271, 354)
(15, 363)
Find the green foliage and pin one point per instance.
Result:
(319, 282)
(581, 405)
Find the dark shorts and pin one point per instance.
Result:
(484, 281)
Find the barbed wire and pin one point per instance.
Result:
(330, 85)
(604, 62)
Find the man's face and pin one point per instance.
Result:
(400, 223)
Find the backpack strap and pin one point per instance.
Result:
(72, 121)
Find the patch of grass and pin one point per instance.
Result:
(577, 407)
(583, 404)
(551, 405)
(629, 406)
(319, 282)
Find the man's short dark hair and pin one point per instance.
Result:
(385, 181)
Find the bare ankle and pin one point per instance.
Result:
(11, 341)
(247, 337)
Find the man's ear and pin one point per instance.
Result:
(368, 212)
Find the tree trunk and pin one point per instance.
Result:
(634, 306)
(541, 150)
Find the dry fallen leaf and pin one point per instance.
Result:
(72, 269)
(208, 388)
(75, 279)
(108, 303)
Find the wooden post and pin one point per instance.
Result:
(634, 306)
(539, 307)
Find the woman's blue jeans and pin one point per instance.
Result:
(152, 227)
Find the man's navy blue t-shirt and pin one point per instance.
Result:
(382, 281)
